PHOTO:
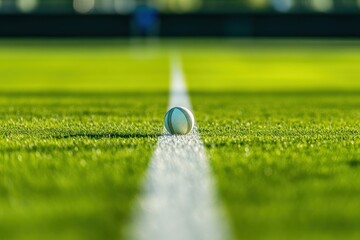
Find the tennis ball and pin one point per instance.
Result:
(179, 120)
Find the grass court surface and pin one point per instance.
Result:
(280, 120)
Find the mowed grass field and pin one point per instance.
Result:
(280, 120)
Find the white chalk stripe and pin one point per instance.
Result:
(178, 201)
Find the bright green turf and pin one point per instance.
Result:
(80, 65)
(273, 65)
(287, 166)
(72, 161)
(285, 158)
(280, 120)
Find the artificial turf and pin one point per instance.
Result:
(279, 119)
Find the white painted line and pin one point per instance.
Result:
(178, 202)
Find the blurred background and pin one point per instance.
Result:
(183, 18)
(178, 6)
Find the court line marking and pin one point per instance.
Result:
(177, 201)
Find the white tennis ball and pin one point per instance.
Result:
(179, 120)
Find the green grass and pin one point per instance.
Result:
(273, 65)
(280, 121)
(287, 166)
(80, 66)
(71, 164)
(75, 138)
(281, 125)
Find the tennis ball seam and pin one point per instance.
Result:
(170, 122)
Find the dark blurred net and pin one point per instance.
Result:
(126, 6)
